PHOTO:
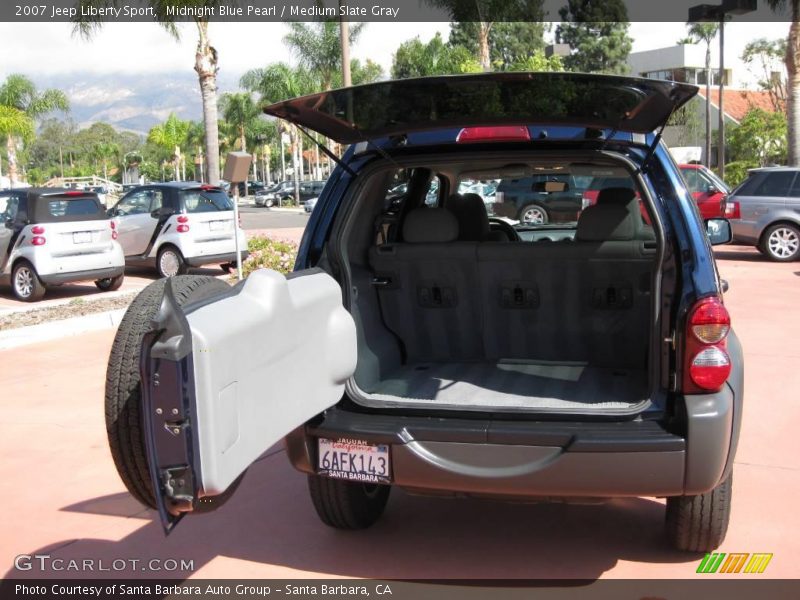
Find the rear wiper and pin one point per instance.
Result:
(327, 152)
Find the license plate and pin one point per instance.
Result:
(354, 460)
(216, 225)
(81, 237)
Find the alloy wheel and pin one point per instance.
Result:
(169, 263)
(23, 282)
(534, 215)
(783, 242)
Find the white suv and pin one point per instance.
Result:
(52, 236)
(177, 225)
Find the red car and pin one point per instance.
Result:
(708, 190)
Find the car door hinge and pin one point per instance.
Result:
(178, 485)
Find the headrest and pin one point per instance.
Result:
(619, 196)
(470, 211)
(430, 225)
(605, 223)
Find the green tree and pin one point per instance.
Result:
(22, 104)
(510, 43)
(205, 63)
(105, 152)
(170, 136)
(368, 72)
(483, 16)
(317, 46)
(705, 33)
(792, 61)
(764, 59)
(597, 33)
(537, 61)
(416, 59)
(241, 111)
(760, 138)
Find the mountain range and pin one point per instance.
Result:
(132, 102)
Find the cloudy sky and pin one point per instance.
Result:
(50, 48)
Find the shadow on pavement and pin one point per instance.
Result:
(743, 253)
(270, 523)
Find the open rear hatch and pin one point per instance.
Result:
(390, 108)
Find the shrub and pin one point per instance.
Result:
(267, 253)
(736, 172)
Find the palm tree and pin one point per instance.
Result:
(279, 81)
(792, 61)
(104, 151)
(169, 136)
(195, 140)
(205, 62)
(19, 94)
(241, 112)
(318, 48)
(705, 32)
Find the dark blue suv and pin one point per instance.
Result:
(441, 348)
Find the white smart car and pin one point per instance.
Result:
(174, 226)
(51, 236)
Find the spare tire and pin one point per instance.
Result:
(123, 398)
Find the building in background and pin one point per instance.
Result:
(686, 63)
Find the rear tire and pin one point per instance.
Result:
(26, 283)
(110, 284)
(781, 242)
(170, 262)
(533, 214)
(699, 523)
(123, 393)
(347, 505)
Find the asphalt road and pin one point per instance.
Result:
(254, 217)
(64, 498)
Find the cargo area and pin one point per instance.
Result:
(454, 310)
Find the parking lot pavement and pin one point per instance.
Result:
(68, 501)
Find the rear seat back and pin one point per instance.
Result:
(588, 300)
(426, 288)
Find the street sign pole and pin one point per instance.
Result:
(237, 165)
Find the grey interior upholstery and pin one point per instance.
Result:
(473, 220)
(585, 302)
(427, 288)
(430, 225)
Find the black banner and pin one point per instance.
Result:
(709, 588)
(376, 10)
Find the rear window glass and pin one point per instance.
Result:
(199, 201)
(68, 209)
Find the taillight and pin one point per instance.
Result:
(37, 230)
(183, 219)
(182, 228)
(38, 240)
(114, 235)
(732, 210)
(113, 225)
(500, 133)
(707, 364)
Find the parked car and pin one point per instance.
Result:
(539, 199)
(174, 226)
(51, 236)
(709, 191)
(765, 212)
(285, 193)
(444, 352)
(309, 205)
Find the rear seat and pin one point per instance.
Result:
(582, 301)
(426, 288)
(587, 300)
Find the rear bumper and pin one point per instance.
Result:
(539, 458)
(226, 257)
(93, 274)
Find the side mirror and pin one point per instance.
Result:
(719, 231)
(161, 212)
(112, 212)
(712, 189)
